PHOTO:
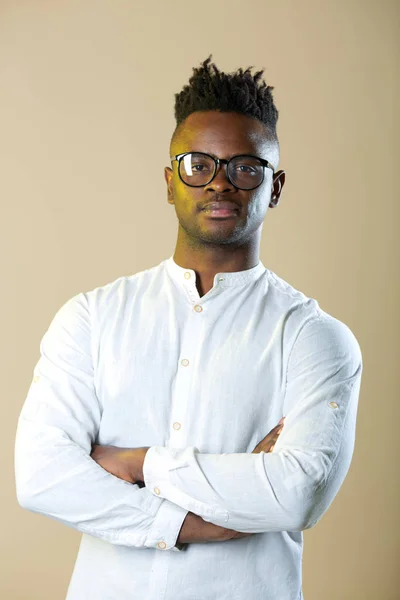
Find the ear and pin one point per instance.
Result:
(168, 174)
(277, 185)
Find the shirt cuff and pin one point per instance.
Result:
(158, 466)
(166, 527)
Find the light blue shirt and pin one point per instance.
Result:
(145, 361)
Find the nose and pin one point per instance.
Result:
(220, 183)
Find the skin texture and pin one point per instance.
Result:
(210, 246)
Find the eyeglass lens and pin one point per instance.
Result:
(197, 169)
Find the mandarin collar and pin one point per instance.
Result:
(185, 276)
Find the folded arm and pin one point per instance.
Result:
(292, 487)
(59, 421)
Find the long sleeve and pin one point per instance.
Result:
(292, 487)
(58, 424)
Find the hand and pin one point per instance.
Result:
(125, 463)
(268, 443)
(195, 530)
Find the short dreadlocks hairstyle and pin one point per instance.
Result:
(211, 89)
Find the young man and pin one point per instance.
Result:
(143, 422)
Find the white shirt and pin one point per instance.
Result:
(146, 361)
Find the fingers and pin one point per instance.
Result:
(268, 443)
(273, 436)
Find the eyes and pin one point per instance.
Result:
(245, 172)
(200, 167)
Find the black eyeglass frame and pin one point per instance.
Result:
(221, 161)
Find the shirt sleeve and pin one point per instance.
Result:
(59, 421)
(290, 488)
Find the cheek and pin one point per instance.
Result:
(258, 205)
(185, 209)
(187, 199)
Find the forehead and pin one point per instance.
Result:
(223, 134)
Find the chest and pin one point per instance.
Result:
(213, 382)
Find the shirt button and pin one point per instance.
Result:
(162, 545)
(176, 425)
(333, 404)
(187, 275)
(198, 308)
(185, 362)
(36, 379)
(157, 491)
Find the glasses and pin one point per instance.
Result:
(245, 172)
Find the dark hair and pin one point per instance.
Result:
(211, 89)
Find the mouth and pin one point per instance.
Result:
(220, 213)
(221, 210)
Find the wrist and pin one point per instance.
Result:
(195, 530)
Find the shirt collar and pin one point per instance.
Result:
(187, 277)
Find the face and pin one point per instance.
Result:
(223, 135)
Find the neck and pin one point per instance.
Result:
(207, 260)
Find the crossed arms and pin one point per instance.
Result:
(285, 490)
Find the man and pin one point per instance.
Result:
(145, 424)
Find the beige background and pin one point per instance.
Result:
(86, 114)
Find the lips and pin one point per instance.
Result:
(221, 205)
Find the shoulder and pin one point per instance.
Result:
(309, 325)
(103, 303)
(124, 287)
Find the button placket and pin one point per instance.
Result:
(188, 352)
(193, 291)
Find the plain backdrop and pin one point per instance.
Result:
(86, 114)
